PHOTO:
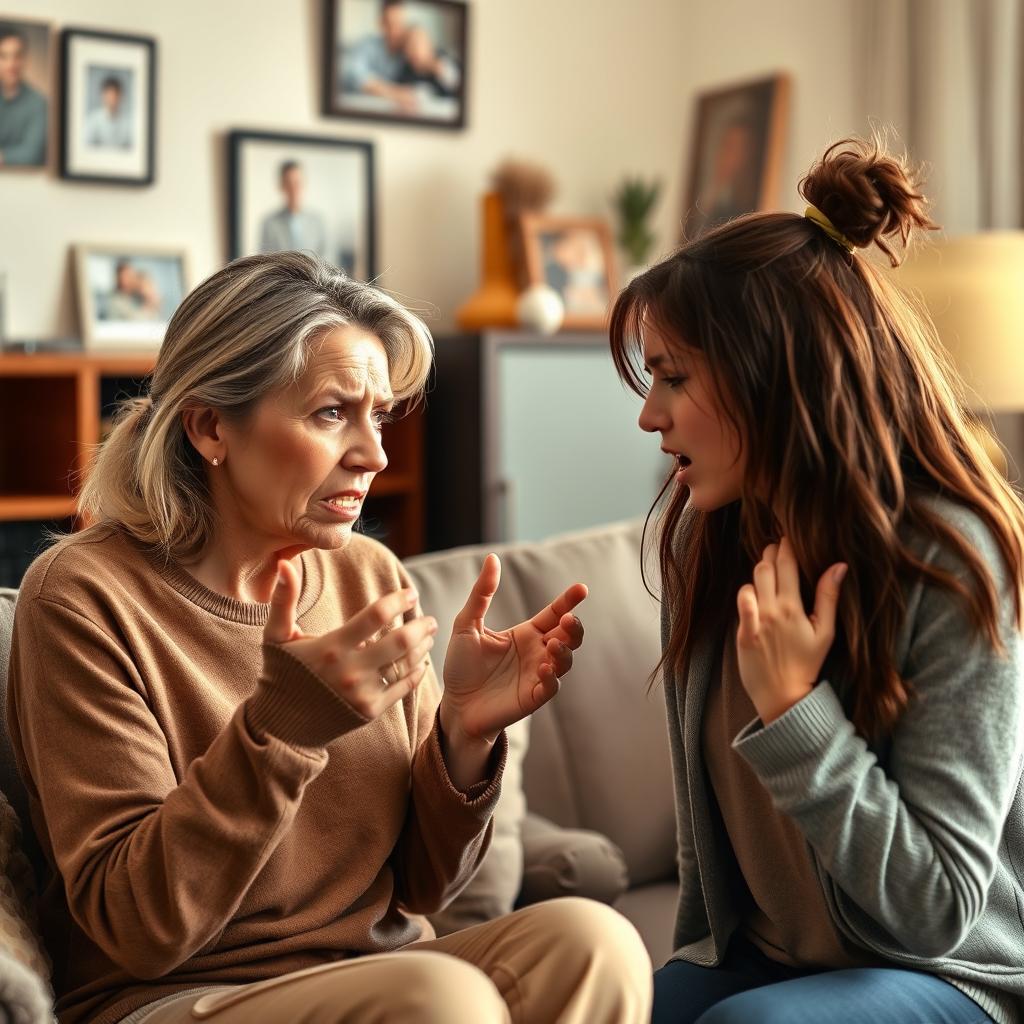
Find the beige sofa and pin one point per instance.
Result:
(594, 761)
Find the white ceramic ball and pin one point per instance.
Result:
(541, 309)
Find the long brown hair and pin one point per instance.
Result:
(850, 412)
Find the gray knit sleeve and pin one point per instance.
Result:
(915, 845)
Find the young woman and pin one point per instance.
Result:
(842, 572)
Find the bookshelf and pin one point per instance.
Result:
(52, 407)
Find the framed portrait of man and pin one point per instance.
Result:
(396, 60)
(26, 93)
(108, 85)
(128, 293)
(303, 192)
(736, 153)
(574, 256)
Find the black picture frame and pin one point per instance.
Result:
(444, 103)
(102, 158)
(292, 147)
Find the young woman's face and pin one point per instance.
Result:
(297, 471)
(682, 406)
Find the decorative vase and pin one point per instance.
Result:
(494, 303)
(541, 309)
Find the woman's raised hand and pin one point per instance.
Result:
(369, 675)
(492, 679)
(779, 647)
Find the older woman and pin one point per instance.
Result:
(222, 703)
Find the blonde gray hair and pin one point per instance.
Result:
(242, 334)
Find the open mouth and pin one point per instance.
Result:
(683, 461)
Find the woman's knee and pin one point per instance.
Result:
(760, 1005)
(441, 989)
(593, 928)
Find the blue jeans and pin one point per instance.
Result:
(750, 988)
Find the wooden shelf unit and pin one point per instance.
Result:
(50, 414)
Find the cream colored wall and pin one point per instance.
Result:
(595, 89)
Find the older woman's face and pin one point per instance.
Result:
(298, 469)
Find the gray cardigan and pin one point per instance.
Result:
(918, 844)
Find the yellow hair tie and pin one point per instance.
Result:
(813, 213)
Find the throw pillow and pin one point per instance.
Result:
(569, 862)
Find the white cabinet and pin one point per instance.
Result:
(531, 436)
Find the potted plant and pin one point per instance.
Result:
(634, 201)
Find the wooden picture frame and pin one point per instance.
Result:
(128, 293)
(402, 61)
(28, 137)
(335, 197)
(575, 257)
(736, 153)
(108, 100)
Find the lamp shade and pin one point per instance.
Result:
(973, 286)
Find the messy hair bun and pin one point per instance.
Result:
(870, 196)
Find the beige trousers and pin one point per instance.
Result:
(570, 960)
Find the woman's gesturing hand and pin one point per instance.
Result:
(369, 675)
(492, 679)
(780, 648)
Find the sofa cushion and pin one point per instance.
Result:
(444, 583)
(598, 756)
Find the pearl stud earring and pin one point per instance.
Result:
(215, 461)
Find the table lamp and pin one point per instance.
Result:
(973, 287)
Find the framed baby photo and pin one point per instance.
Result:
(26, 93)
(396, 60)
(108, 86)
(574, 256)
(128, 293)
(304, 192)
(736, 152)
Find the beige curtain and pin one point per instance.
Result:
(949, 76)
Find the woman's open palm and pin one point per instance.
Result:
(494, 678)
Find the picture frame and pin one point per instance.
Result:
(127, 293)
(736, 154)
(403, 61)
(27, 121)
(108, 92)
(575, 257)
(307, 192)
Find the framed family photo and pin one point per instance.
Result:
(128, 293)
(574, 256)
(26, 93)
(396, 60)
(736, 153)
(108, 84)
(303, 192)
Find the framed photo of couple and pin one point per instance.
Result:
(128, 293)
(396, 60)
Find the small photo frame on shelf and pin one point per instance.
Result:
(108, 86)
(304, 192)
(574, 256)
(26, 93)
(127, 294)
(396, 60)
(737, 152)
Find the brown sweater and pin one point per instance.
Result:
(214, 812)
(787, 918)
